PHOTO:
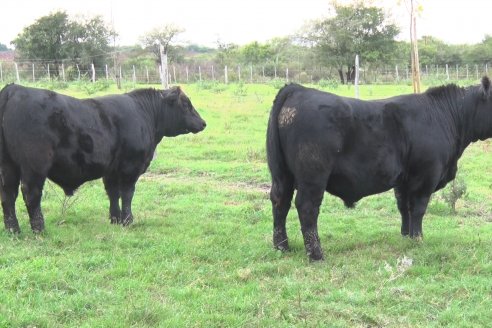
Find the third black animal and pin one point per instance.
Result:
(317, 142)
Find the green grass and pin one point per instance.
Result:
(200, 252)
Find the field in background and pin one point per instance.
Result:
(200, 253)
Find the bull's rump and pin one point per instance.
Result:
(58, 136)
(351, 145)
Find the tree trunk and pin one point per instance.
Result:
(340, 73)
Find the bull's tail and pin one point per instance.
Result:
(275, 155)
(4, 96)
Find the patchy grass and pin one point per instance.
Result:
(200, 254)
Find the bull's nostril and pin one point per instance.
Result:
(204, 124)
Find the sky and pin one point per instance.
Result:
(243, 21)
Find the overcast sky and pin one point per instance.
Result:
(243, 21)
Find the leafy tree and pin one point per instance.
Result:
(163, 35)
(355, 29)
(227, 54)
(255, 53)
(3, 47)
(55, 38)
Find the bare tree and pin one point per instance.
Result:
(158, 40)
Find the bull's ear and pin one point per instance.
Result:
(485, 87)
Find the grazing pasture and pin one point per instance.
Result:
(199, 252)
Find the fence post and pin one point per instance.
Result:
(239, 73)
(63, 72)
(199, 73)
(263, 71)
(174, 74)
(356, 81)
(213, 75)
(93, 73)
(17, 72)
(121, 74)
(187, 75)
(225, 75)
(134, 77)
(467, 75)
(287, 75)
(106, 71)
(1, 72)
(476, 70)
(147, 74)
(251, 74)
(275, 71)
(49, 75)
(397, 75)
(487, 68)
(457, 72)
(33, 76)
(78, 70)
(447, 72)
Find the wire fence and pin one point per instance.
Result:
(182, 73)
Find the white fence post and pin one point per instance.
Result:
(174, 74)
(287, 75)
(134, 77)
(93, 73)
(396, 72)
(63, 72)
(187, 75)
(147, 74)
(447, 72)
(106, 71)
(356, 80)
(49, 75)
(213, 75)
(239, 73)
(78, 70)
(17, 73)
(226, 80)
(199, 73)
(33, 75)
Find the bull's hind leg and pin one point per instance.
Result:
(113, 191)
(281, 197)
(308, 200)
(32, 190)
(9, 190)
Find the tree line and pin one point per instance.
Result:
(327, 42)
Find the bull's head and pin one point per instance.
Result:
(181, 117)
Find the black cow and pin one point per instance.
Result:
(47, 135)
(318, 141)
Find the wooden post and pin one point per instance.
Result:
(356, 81)
(457, 72)
(165, 81)
(33, 75)
(287, 75)
(17, 73)
(251, 74)
(93, 73)
(106, 70)
(199, 73)
(486, 68)
(121, 75)
(78, 70)
(476, 70)
(263, 71)
(275, 72)
(213, 74)
(447, 72)
(239, 73)
(1, 72)
(226, 80)
(467, 73)
(134, 77)
(396, 72)
(49, 75)
(63, 72)
(414, 50)
(187, 75)
(147, 74)
(174, 74)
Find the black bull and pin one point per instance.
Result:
(319, 142)
(70, 141)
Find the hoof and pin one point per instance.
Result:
(13, 230)
(127, 221)
(114, 220)
(316, 256)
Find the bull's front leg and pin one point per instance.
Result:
(418, 205)
(308, 201)
(127, 190)
(113, 191)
